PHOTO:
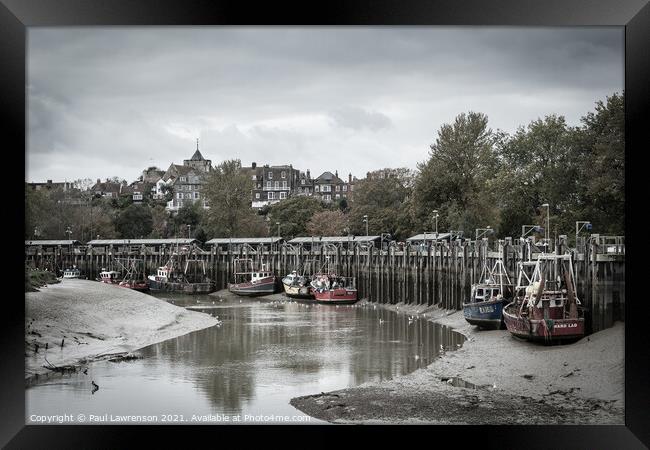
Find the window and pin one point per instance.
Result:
(338, 196)
(327, 197)
(316, 188)
(283, 174)
(284, 185)
(196, 195)
(270, 175)
(302, 181)
(283, 195)
(254, 177)
(268, 184)
(271, 195)
(257, 195)
(179, 195)
(345, 187)
(183, 179)
(338, 187)
(277, 185)
(327, 188)
(299, 189)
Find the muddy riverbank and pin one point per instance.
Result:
(492, 379)
(75, 322)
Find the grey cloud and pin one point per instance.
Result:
(127, 97)
(358, 118)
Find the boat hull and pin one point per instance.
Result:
(184, 288)
(302, 292)
(335, 296)
(265, 286)
(141, 287)
(487, 314)
(543, 330)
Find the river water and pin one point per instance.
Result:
(248, 368)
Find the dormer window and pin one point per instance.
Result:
(270, 175)
(183, 179)
(283, 174)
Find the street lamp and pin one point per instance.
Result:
(483, 231)
(435, 216)
(365, 220)
(188, 231)
(548, 212)
(278, 224)
(583, 224)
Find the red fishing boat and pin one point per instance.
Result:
(546, 307)
(134, 277)
(330, 288)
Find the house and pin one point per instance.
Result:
(49, 185)
(270, 184)
(186, 181)
(111, 189)
(329, 187)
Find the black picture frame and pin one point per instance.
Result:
(16, 15)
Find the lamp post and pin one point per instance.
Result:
(583, 224)
(365, 220)
(278, 224)
(483, 231)
(435, 216)
(188, 231)
(548, 212)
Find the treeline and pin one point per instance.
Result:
(473, 176)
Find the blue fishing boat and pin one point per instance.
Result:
(488, 297)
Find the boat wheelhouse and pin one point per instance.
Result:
(251, 282)
(169, 278)
(71, 273)
(546, 307)
(488, 297)
(109, 276)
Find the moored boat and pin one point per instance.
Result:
(250, 282)
(169, 278)
(109, 276)
(546, 307)
(488, 297)
(297, 286)
(329, 288)
(72, 273)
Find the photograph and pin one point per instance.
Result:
(325, 225)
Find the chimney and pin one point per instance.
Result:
(350, 178)
(308, 174)
(254, 165)
(336, 173)
(98, 181)
(49, 181)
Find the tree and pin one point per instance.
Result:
(160, 222)
(382, 199)
(455, 179)
(601, 184)
(293, 215)
(134, 222)
(327, 223)
(228, 193)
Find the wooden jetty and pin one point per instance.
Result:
(434, 272)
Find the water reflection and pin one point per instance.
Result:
(261, 356)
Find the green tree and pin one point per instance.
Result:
(134, 222)
(293, 215)
(327, 223)
(228, 193)
(455, 179)
(601, 185)
(383, 200)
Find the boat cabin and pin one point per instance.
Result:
(71, 273)
(109, 276)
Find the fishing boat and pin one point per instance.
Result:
(170, 278)
(488, 297)
(109, 276)
(249, 281)
(297, 285)
(134, 277)
(545, 306)
(72, 273)
(330, 288)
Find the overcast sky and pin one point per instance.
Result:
(108, 102)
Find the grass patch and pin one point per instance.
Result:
(35, 279)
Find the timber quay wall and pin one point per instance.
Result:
(440, 273)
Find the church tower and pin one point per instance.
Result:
(198, 162)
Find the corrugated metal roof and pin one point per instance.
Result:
(366, 238)
(141, 241)
(303, 239)
(264, 240)
(316, 239)
(52, 242)
(429, 236)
